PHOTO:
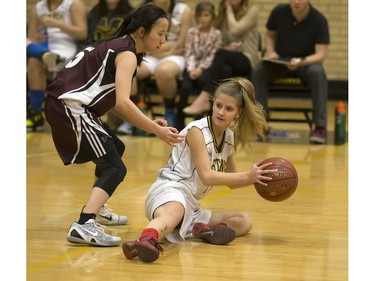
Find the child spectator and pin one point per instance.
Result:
(238, 22)
(202, 41)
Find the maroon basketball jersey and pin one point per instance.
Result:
(89, 78)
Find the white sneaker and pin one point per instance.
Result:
(105, 216)
(52, 60)
(91, 233)
(125, 129)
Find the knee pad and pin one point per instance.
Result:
(110, 173)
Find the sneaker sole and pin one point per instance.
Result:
(50, 59)
(145, 252)
(219, 236)
(77, 240)
(112, 224)
(317, 141)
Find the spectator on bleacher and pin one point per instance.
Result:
(202, 42)
(168, 64)
(38, 49)
(103, 20)
(238, 22)
(59, 24)
(299, 32)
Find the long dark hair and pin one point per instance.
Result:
(144, 16)
(123, 8)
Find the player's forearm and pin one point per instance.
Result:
(233, 180)
(76, 32)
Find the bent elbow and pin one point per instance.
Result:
(206, 179)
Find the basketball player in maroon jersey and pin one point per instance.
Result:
(96, 81)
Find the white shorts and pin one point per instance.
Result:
(152, 62)
(163, 191)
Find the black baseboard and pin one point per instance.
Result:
(337, 90)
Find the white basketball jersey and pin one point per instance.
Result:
(180, 166)
(59, 42)
(175, 21)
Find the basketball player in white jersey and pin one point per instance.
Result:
(203, 160)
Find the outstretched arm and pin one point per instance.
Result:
(230, 178)
(126, 63)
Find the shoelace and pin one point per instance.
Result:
(107, 209)
(155, 243)
(99, 227)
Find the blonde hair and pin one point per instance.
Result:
(251, 121)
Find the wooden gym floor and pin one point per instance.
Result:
(302, 238)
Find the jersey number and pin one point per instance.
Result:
(78, 57)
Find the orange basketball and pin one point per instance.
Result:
(284, 182)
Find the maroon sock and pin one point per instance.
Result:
(150, 232)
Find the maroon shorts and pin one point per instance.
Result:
(78, 134)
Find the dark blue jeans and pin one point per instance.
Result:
(314, 76)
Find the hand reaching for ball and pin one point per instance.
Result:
(281, 183)
(261, 173)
